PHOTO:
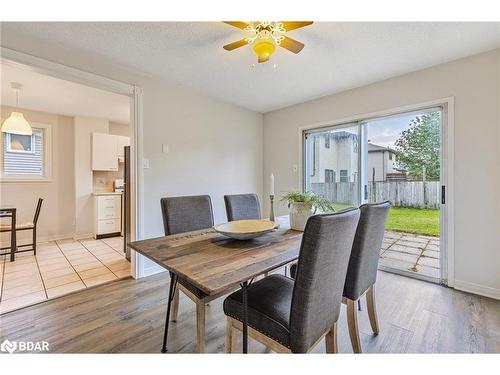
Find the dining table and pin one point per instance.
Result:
(9, 211)
(217, 264)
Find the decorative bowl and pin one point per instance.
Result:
(246, 229)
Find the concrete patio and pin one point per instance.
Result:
(411, 253)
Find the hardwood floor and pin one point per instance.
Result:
(127, 316)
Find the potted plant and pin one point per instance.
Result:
(303, 205)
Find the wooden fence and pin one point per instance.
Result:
(416, 194)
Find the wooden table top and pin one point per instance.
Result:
(215, 263)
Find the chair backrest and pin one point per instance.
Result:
(322, 266)
(363, 264)
(185, 214)
(37, 211)
(242, 206)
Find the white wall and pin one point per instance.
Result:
(84, 203)
(474, 82)
(215, 148)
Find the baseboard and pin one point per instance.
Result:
(40, 239)
(481, 290)
(82, 236)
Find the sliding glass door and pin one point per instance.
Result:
(394, 158)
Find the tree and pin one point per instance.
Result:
(418, 147)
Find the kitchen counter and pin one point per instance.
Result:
(107, 193)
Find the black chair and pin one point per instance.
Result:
(26, 226)
(242, 206)
(186, 214)
(289, 316)
(363, 265)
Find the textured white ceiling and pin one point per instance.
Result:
(48, 94)
(336, 57)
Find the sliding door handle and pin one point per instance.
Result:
(443, 194)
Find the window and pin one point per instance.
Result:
(26, 157)
(390, 155)
(327, 141)
(343, 175)
(329, 175)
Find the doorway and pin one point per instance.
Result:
(79, 252)
(397, 156)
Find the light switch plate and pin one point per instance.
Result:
(145, 163)
(164, 148)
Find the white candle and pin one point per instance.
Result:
(272, 185)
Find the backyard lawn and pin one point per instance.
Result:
(409, 220)
(414, 220)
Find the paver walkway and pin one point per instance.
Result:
(411, 252)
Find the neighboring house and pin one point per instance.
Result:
(382, 164)
(333, 158)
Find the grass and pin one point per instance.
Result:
(414, 220)
(409, 220)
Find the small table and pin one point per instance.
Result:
(9, 211)
(217, 264)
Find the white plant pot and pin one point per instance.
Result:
(299, 213)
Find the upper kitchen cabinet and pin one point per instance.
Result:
(104, 157)
(107, 150)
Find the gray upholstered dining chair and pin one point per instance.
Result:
(293, 316)
(185, 214)
(242, 206)
(363, 266)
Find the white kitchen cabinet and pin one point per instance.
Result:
(104, 152)
(107, 215)
(121, 142)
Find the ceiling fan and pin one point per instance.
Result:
(265, 36)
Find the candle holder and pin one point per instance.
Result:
(271, 214)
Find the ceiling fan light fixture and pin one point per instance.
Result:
(264, 48)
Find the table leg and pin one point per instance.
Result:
(245, 316)
(171, 294)
(13, 239)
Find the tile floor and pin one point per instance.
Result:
(59, 268)
(411, 253)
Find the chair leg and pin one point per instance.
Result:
(229, 335)
(200, 326)
(372, 309)
(175, 306)
(34, 241)
(331, 340)
(352, 323)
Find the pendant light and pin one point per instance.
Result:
(16, 123)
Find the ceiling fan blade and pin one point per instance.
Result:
(238, 24)
(234, 45)
(291, 44)
(263, 59)
(292, 25)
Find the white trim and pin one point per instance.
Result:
(38, 65)
(447, 178)
(42, 66)
(481, 290)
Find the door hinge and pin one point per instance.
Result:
(443, 194)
